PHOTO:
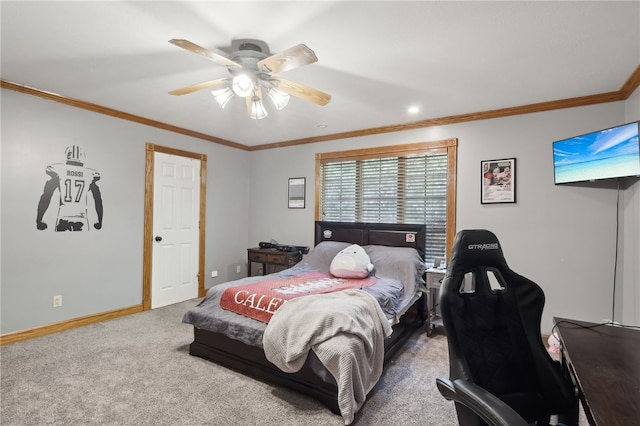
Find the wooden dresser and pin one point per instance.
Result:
(271, 256)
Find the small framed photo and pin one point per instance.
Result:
(297, 190)
(498, 181)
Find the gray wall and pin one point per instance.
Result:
(629, 298)
(562, 237)
(97, 271)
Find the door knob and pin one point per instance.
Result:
(158, 238)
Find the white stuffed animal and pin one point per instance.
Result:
(351, 262)
(554, 343)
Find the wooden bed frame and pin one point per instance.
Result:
(250, 360)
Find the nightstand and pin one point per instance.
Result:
(271, 256)
(434, 279)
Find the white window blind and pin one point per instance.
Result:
(399, 189)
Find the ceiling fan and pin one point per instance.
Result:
(252, 73)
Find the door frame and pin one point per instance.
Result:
(147, 250)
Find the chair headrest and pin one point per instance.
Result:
(476, 247)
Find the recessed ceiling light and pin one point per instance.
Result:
(321, 126)
(413, 110)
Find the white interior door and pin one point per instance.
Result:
(176, 201)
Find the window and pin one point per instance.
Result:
(412, 183)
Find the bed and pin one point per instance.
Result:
(236, 341)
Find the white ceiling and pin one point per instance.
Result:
(375, 58)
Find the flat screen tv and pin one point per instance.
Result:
(604, 154)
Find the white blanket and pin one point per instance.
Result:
(345, 329)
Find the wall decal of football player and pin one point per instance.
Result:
(74, 182)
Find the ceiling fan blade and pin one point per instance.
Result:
(218, 58)
(200, 86)
(303, 92)
(289, 59)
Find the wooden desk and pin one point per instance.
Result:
(605, 364)
(271, 256)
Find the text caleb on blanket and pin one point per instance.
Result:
(263, 303)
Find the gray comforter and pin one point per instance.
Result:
(346, 331)
(353, 337)
(208, 315)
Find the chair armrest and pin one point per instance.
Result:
(486, 405)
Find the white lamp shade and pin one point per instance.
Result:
(280, 99)
(222, 96)
(258, 112)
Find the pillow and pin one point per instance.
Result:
(320, 257)
(399, 263)
(351, 262)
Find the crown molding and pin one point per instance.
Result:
(627, 89)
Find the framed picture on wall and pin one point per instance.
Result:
(498, 181)
(297, 189)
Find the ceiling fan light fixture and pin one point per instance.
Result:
(222, 96)
(252, 70)
(280, 99)
(258, 112)
(242, 85)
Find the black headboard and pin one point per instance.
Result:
(383, 234)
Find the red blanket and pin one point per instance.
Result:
(260, 300)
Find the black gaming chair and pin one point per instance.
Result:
(500, 372)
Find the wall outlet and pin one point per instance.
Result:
(57, 301)
(238, 269)
(214, 274)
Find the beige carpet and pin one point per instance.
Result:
(137, 370)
